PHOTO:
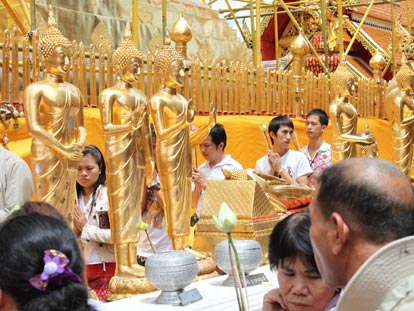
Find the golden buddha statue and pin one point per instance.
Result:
(128, 153)
(54, 114)
(345, 117)
(403, 119)
(172, 115)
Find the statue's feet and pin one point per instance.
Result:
(133, 271)
(124, 287)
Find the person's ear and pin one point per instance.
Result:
(220, 146)
(340, 233)
(323, 128)
(272, 134)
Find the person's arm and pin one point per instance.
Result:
(90, 231)
(19, 183)
(303, 170)
(33, 95)
(106, 100)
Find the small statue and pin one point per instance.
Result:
(345, 117)
(403, 119)
(54, 114)
(172, 115)
(129, 156)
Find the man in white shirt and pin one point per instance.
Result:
(212, 149)
(318, 152)
(291, 165)
(16, 182)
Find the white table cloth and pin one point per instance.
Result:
(215, 296)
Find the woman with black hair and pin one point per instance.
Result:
(41, 266)
(92, 221)
(300, 283)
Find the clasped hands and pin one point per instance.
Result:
(79, 219)
(274, 161)
(199, 179)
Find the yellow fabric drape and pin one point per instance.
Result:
(245, 142)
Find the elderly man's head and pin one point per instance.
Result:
(359, 201)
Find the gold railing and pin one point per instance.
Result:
(236, 87)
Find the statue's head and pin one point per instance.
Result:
(127, 58)
(54, 47)
(405, 77)
(169, 65)
(342, 81)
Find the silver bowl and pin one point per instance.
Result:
(250, 255)
(171, 272)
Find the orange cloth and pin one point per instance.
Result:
(245, 141)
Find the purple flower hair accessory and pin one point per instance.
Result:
(54, 272)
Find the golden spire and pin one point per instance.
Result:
(181, 31)
(126, 50)
(299, 46)
(377, 61)
(181, 34)
(52, 37)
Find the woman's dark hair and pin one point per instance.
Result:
(23, 240)
(41, 208)
(290, 238)
(97, 154)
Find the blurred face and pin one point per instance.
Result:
(282, 138)
(88, 171)
(176, 73)
(132, 70)
(212, 153)
(319, 232)
(301, 286)
(58, 62)
(314, 128)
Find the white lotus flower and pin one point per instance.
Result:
(226, 219)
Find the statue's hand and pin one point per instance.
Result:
(73, 152)
(370, 139)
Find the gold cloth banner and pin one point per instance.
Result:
(245, 142)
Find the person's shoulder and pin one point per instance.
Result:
(97, 305)
(203, 165)
(261, 159)
(232, 161)
(296, 153)
(11, 156)
(325, 146)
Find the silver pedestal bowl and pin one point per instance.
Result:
(250, 255)
(171, 272)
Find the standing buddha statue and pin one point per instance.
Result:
(344, 117)
(403, 119)
(129, 156)
(54, 114)
(172, 117)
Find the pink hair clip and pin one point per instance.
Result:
(54, 272)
